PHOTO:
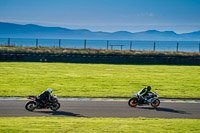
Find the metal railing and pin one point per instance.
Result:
(187, 46)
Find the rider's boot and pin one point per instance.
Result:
(140, 101)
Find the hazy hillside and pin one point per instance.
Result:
(35, 31)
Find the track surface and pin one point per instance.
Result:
(15, 108)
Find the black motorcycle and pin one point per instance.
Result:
(53, 104)
(152, 99)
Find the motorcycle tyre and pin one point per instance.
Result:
(56, 108)
(27, 104)
(130, 102)
(157, 104)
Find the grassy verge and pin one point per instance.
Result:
(98, 80)
(98, 125)
(50, 50)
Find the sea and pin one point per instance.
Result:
(184, 46)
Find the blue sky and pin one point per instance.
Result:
(180, 16)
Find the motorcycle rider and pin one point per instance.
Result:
(143, 94)
(44, 97)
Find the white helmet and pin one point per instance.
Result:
(49, 90)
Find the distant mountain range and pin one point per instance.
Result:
(35, 31)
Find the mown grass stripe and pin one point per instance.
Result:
(98, 80)
(98, 125)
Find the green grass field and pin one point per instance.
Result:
(98, 80)
(98, 125)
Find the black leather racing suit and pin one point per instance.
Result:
(44, 97)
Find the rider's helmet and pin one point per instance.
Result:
(148, 88)
(49, 90)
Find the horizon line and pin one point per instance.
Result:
(43, 25)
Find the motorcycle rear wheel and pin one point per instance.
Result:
(132, 102)
(55, 108)
(155, 103)
(30, 106)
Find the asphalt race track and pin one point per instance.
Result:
(15, 108)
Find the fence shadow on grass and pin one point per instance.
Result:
(61, 113)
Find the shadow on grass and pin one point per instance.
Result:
(61, 113)
(165, 110)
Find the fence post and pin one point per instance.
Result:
(36, 43)
(154, 46)
(177, 47)
(107, 44)
(84, 44)
(8, 41)
(131, 45)
(59, 43)
(121, 47)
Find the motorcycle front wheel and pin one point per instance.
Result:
(155, 103)
(55, 107)
(30, 106)
(132, 102)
